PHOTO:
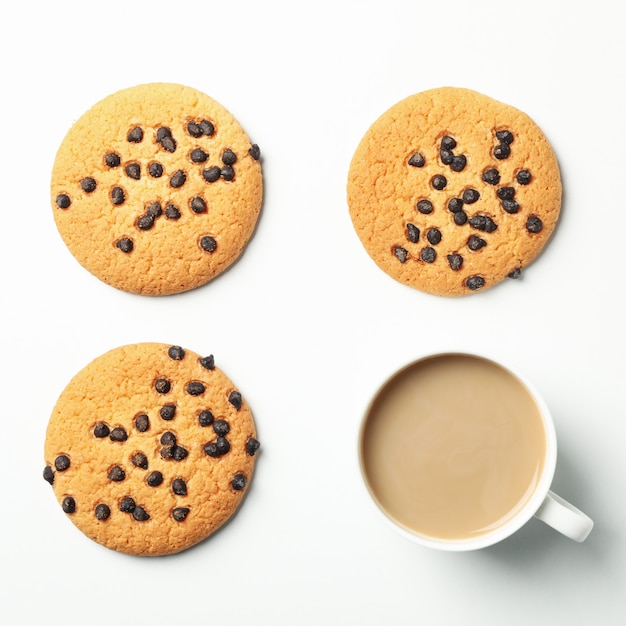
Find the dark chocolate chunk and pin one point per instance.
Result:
(239, 482)
(229, 157)
(63, 201)
(208, 362)
(470, 196)
(142, 423)
(438, 182)
(208, 244)
(172, 212)
(252, 446)
(62, 462)
(154, 479)
(116, 474)
(534, 224)
(118, 196)
(475, 282)
(140, 514)
(255, 152)
(460, 218)
(506, 193)
(88, 185)
(211, 174)
(412, 233)
(48, 474)
(168, 412)
(175, 353)
(195, 388)
(475, 243)
(504, 136)
(155, 170)
(145, 222)
(425, 206)
(112, 159)
(205, 418)
(162, 385)
(180, 513)
(139, 459)
(501, 151)
(179, 453)
(401, 253)
(133, 170)
(491, 176)
(168, 438)
(417, 160)
(207, 128)
(135, 135)
(455, 261)
(221, 427)
(428, 254)
(523, 177)
(125, 244)
(516, 273)
(101, 430)
(510, 206)
(234, 397)
(127, 505)
(68, 505)
(434, 236)
(178, 179)
(179, 487)
(455, 205)
(198, 155)
(102, 512)
(198, 205)
(459, 161)
(227, 172)
(483, 222)
(154, 210)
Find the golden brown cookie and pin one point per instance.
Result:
(156, 189)
(150, 449)
(451, 191)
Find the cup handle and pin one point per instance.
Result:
(564, 517)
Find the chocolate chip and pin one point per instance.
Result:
(211, 174)
(221, 427)
(459, 162)
(140, 514)
(125, 244)
(101, 430)
(112, 159)
(470, 196)
(194, 129)
(102, 512)
(62, 463)
(164, 137)
(428, 255)
(446, 156)
(116, 474)
(139, 459)
(135, 135)
(168, 412)
(118, 434)
(154, 479)
(145, 222)
(162, 385)
(255, 152)
(205, 418)
(118, 196)
(523, 177)
(198, 205)
(180, 513)
(208, 244)
(438, 182)
(210, 449)
(506, 193)
(222, 445)
(162, 133)
(179, 453)
(142, 423)
(412, 233)
(154, 210)
(401, 254)
(448, 142)
(475, 243)
(460, 218)
(455, 261)
(534, 224)
(235, 399)
(491, 176)
(168, 438)
(207, 128)
(239, 482)
(88, 185)
(501, 151)
(504, 136)
(483, 223)
(127, 505)
(68, 505)
(417, 160)
(227, 172)
(172, 212)
(208, 362)
(179, 487)
(166, 453)
(475, 282)
(425, 206)
(516, 273)
(229, 157)
(155, 170)
(434, 236)
(198, 155)
(455, 205)
(175, 353)
(63, 201)
(195, 388)
(510, 206)
(252, 446)
(178, 179)
(133, 170)
(48, 474)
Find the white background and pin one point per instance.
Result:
(305, 324)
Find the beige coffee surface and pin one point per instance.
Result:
(453, 447)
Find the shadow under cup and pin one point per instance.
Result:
(457, 451)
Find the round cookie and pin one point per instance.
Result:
(156, 189)
(451, 191)
(150, 449)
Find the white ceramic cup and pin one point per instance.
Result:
(542, 502)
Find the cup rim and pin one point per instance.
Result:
(523, 515)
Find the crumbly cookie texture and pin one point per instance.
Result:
(156, 189)
(150, 449)
(451, 191)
